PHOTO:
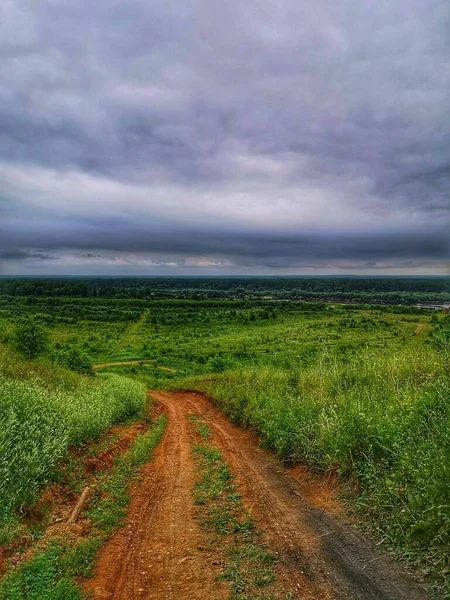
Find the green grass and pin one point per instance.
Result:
(42, 579)
(249, 566)
(200, 428)
(354, 389)
(205, 336)
(108, 507)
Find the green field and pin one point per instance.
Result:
(360, 390)
(193, 337)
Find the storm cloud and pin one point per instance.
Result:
(224, 137)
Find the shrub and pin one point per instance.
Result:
(75, 359)
(30, 338)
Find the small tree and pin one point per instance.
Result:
(75, 359)
(30, 338)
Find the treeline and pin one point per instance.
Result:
(389, 290)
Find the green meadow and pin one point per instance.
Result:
(359, 390)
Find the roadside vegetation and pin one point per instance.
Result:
(44, 411)
(108, 507)
(381, 422)
(53, 571)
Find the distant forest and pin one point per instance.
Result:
(388, 290)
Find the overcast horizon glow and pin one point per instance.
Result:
(205, 138)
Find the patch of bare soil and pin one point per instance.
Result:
(160, 553)
(104, 460)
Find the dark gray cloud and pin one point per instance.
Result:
(42, 256)
(11, 253)
(246, 247)
(254, 135)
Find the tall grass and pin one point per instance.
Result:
(43, 412)
(382, 420)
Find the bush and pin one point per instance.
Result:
(75, 359)
(30, 338)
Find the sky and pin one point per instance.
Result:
(209, 137)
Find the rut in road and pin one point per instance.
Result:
(160, 553)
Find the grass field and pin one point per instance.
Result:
(355, 389)
(204, 336)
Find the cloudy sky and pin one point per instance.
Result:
(204, 137)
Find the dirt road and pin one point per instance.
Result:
(162, 553)
(143, 363)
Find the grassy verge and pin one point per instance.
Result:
(248, 565)
(45, 410)
(381, 421)
(52, 573)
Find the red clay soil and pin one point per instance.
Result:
(159, 555)
(104, 460)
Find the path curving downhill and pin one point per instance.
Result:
(162, 553)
